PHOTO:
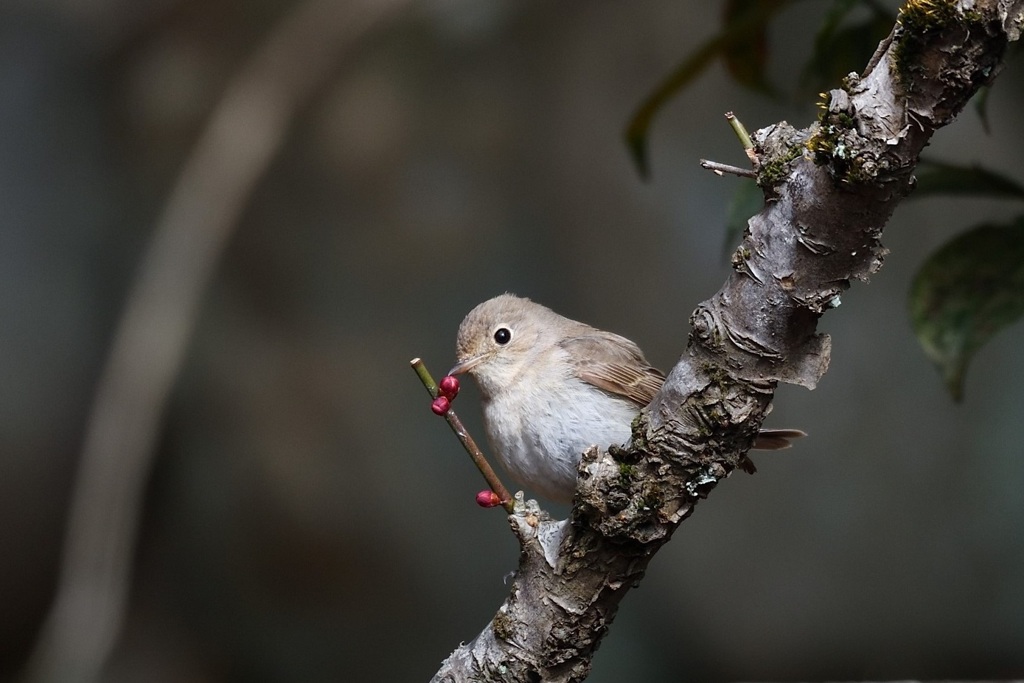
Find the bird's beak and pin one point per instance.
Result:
(465, 365)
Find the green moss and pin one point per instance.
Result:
(776, 170)
(716, 374)
(918, 20)
(826, 143)
(834, 142)
(638, 429)
(647, 503)
(503, 626)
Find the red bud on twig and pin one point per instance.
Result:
(488, 499)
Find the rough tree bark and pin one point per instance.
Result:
(829, 189)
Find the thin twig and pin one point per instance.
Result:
(478, 457)
(242, 136)
(740, 129)
(722, 169)
(744, 136)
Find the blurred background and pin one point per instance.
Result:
(307, 518)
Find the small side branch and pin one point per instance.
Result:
(475, 454)
(722, 169)
(748, 149)
(740, 130)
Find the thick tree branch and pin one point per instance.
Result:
(830, 189)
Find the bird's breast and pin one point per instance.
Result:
(538, 432)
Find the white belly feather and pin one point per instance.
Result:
(540, 443)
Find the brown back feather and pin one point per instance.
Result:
(614, 364)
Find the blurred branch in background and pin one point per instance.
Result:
(243, 135)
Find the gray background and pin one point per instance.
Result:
(309, 519)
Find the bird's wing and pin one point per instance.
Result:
(613, 364)
(616, 365)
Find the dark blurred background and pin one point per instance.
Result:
(308, 518)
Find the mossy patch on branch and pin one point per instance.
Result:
(775, 170)
(836, 143)
(918, 21)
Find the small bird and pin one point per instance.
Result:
(552, 387)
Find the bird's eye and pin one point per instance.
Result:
(502, 336)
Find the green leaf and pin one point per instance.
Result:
(636, 131)
(837, 52)
(834, 17)
(747, 54)
(965, 293)
(980, 99)
(746, 201)
(981, 106)
(735, 31)
(939, 178)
